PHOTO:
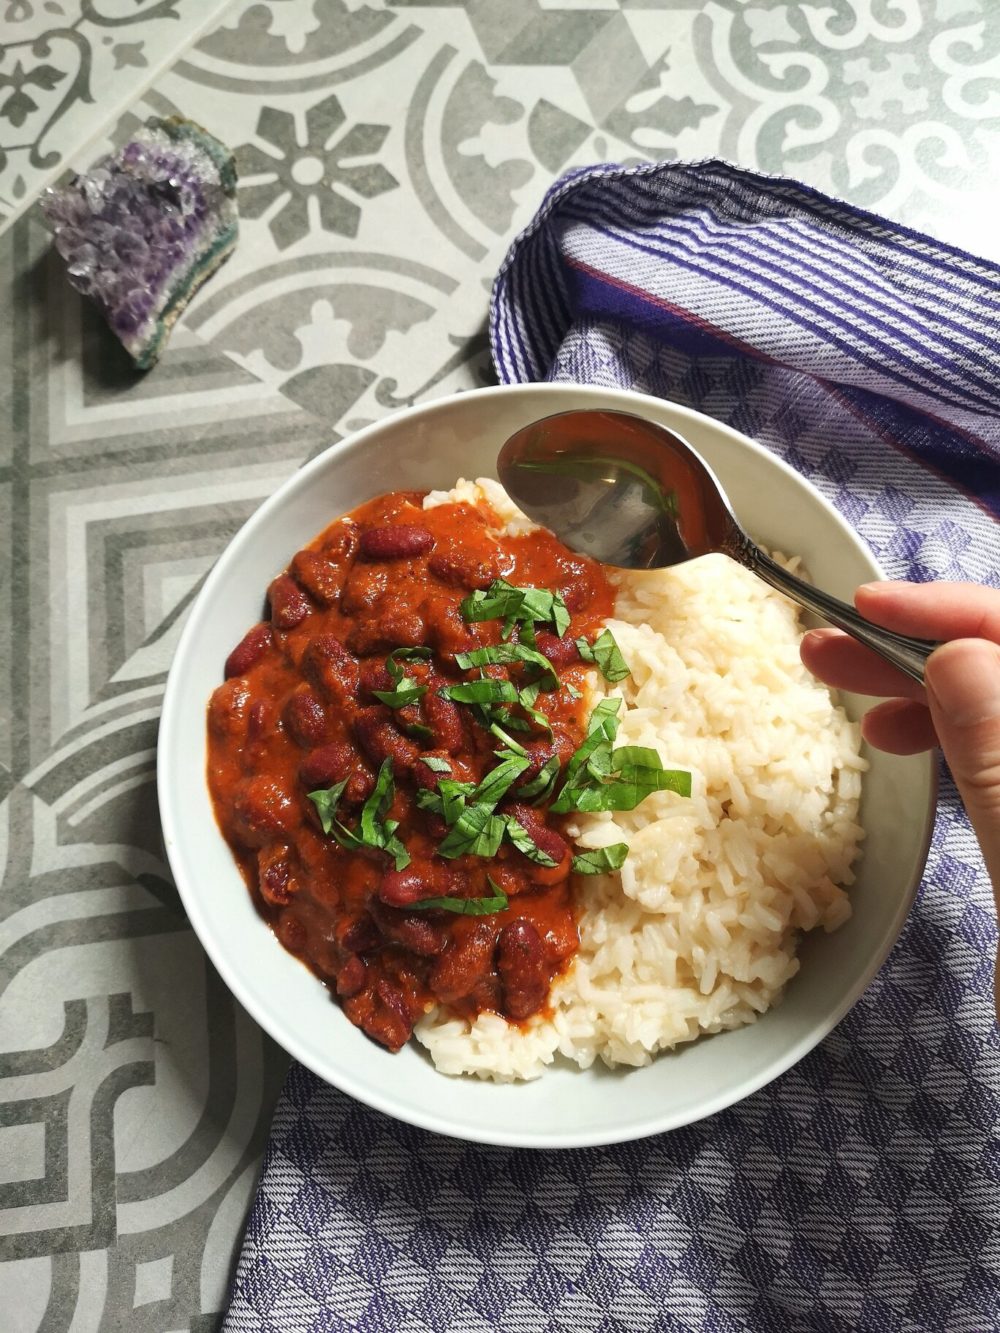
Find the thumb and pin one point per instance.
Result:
(963, 693)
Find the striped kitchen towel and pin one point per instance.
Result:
(859, 1193)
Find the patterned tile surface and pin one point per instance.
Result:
(388, 152)
(68, 66)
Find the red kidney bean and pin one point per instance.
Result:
(361, 935)
(547, 840)
(363, 589)
(228, 709)
(327, 765)
(539, 754)
(351, 976)
(333, 763)
(248, 652)
(289, 604)
(388, 629)
(274, 874)
(263, 811)
(445, 721)
(322, 580)
(341, 542)
(258, 720)
(448, 632)
(386, 1021)
(305, 719)
(400, 541)
(291, 932)
(393, 1024)
(426, 777)
(411, 930)
(522, 969)
(560, 652)
(374, 676)
(328, 665)
(400, 888)
(380, 740)
(463, 569)
(436, 826)
(464, 964)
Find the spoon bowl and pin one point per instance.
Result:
(633, 494)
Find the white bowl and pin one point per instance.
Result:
(430, 447)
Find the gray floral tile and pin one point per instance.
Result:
(66, 66)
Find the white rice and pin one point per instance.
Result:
(698, 931)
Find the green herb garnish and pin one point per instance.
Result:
(374, 830)
(400, 695)
(601, 859)
(526, 844)
(484, 691)
(476, 830)
(511, 746)
(599, 777)
(524, 606)
(607, 656)
(465, 906)
(526, 698)
(541, 785)
(506, 653)
(435, 763)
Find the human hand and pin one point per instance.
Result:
(958, 707)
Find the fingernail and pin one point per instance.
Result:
(963, 680)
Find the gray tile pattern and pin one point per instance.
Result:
(388, 153)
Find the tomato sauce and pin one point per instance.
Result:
(297, 713)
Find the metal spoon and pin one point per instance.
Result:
(633, 494)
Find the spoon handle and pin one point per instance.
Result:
(908, 655)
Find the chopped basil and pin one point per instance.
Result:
(436, 764)
(418, 731)
(484, 691)
(619, 780)
(498, 780)
(601, 731)
(607, 655)
(572, 691)
(601, 778)
(477, 831)
(326, 802)
(524, 606)
(526, 844)
(374, 830)
(503, 653)
(601, 859)
(541, 784)
(526, 698)
(465, 906)
(400, 695)
(512, 746)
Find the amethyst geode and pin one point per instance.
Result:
(144, 228)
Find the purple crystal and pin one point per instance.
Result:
(145, 226)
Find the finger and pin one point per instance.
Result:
(899, 726)
(845, 664)
(963, 691)
(933, 610)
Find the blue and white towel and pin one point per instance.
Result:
(860, 1193)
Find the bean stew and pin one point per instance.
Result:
(384, 751)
